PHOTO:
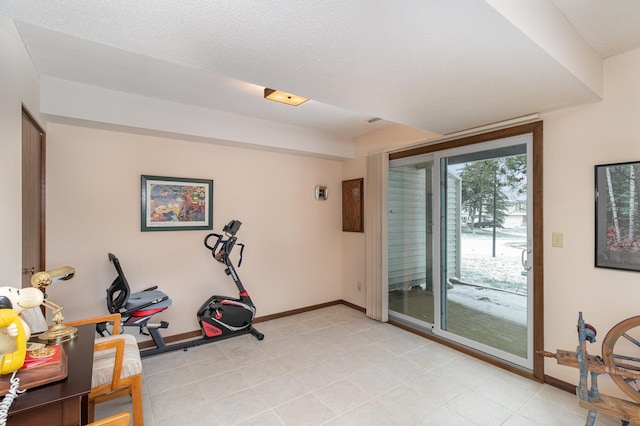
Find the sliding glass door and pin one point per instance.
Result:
(411, 285)
(460, 246)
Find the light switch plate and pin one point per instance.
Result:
(557, 239)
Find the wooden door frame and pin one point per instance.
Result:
(42, 215)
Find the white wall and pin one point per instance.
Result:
(575, 140)
(18, 85)
(293, 241)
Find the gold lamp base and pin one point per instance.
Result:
(58, 333)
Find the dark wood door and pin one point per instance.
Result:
(33, 178)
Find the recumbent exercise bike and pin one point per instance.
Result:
(219, 317)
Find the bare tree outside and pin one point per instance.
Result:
(617, 242)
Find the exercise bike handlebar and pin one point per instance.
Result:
(206, 241)
(222, 254)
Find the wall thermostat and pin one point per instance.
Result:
(322, 192)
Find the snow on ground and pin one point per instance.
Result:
(498, 303)
(496, 285)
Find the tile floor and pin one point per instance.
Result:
(335, 366)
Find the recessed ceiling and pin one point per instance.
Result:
(432, 65)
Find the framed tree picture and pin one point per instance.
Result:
(176, 204)
(352, 205)
(617, 200)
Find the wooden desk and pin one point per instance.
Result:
(66, 402)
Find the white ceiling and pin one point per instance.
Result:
(440, 66)
(610, 26)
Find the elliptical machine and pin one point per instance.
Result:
(220, 317)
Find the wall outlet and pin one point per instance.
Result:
(359, 286)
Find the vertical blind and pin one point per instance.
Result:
(375, 228)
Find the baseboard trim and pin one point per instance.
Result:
(560, 384)
(352, 306)
(296, 311)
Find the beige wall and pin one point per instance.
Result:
(293, 242)
(575, 140)
(18, 85)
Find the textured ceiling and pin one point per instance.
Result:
(610, 26)
(433, 65)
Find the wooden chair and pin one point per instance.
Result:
(117, 368)
(120, 419)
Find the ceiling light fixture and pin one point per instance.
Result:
(285, 98)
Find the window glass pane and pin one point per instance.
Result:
(411, 240)
(484, 233)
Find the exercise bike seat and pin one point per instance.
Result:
(143, 303)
